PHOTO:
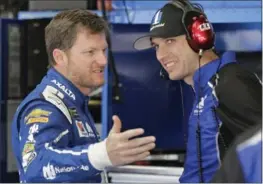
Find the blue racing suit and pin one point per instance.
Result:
(51, 133)
(202, 154)
(243, 160)
(249, 154)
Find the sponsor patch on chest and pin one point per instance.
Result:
(63, 88)
(84, 129)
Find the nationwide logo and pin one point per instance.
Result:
(50, 172)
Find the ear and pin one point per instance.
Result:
(60, 57)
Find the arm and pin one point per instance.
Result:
(46, 150)
(240, 95)
(230, 171)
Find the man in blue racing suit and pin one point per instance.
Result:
(53, 134)
(225, 94)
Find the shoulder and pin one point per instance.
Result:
(234, 79)
(234, 71)
(49, 98)
(40, 111)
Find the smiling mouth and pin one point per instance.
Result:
(98, 71)
(168, 65)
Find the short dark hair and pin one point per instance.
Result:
(61, 32)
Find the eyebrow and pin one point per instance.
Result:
(153, 44)
(93, 48)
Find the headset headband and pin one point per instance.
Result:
(186, 7)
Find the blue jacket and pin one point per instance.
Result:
(249, 154)
(243, 160)
(51, 132)
(209, 125)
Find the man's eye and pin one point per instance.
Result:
(169, 41)
(155, 47)
(90, 52)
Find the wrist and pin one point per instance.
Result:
(98, 155)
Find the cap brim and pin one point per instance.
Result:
(143, 43)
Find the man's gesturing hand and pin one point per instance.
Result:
(121, 150)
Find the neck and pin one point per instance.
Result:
(84, 90)
(72, 78)
(207, 57)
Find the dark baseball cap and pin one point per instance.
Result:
(167, 22)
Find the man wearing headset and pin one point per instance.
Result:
(224, 92)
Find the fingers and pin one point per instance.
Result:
(116, 128)
(131, 133)
(124, 147)
(139, 142)
(138, 150)
(142, 156)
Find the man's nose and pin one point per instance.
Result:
(103, 60)
(161, 53)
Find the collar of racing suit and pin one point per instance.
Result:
(67, 87)
(209, 69)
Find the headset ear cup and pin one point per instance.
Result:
(200, 32)
(192, 44)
